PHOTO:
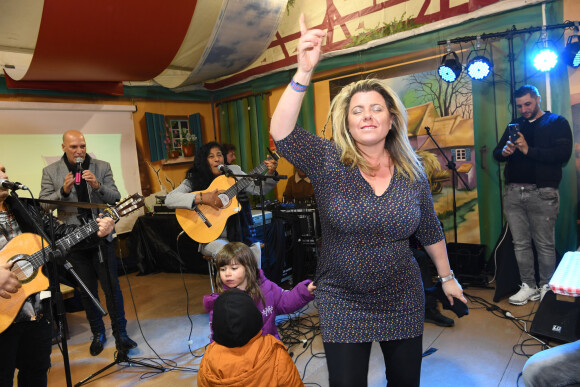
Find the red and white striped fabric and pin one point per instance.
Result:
(566, 278)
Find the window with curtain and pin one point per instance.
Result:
(244, 124)
(165, 136)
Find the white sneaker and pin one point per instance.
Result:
(543, 290)
(525, 294)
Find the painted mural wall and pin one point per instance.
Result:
(347, 23)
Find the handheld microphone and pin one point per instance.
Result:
(225, 170)
(13, 185)
(79, 172)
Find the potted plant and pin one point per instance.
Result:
(171, 152)
(188, 140)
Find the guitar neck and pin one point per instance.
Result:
(245, 181)
(124, 207)
(78, 235)
(40, 257)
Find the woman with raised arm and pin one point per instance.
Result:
(372, 195)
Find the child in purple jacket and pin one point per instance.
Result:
(238, 269)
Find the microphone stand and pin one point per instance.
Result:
(122, 354)
(55, 256)
(259, 179)
(450, 165)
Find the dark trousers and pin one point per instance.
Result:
(91, 271)
(26, 346)
(348, 363)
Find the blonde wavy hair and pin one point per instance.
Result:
(397, 142)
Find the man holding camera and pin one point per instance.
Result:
(535, 147)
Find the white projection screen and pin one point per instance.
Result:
(31, 138)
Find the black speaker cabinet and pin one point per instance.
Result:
(467, 261)
(556, 319)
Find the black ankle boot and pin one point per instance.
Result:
(125, 342)
(432, 315)
(98, 344)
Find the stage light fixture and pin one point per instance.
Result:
(546, 57)
(571, 53)
(450, 68)
(478, 68)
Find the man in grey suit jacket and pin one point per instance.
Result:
(76, 177)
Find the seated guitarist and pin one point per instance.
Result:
(27, 342)
(198, 178)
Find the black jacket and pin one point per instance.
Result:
(26, 215)
(550, 146)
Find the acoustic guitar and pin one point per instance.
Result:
(29, 253)
(205, 223)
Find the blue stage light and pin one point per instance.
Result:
(545, 59)
(450, 68)
(479, 67)
(571, 53)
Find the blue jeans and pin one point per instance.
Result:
(531, 213)
(557, 367)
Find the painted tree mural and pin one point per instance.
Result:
(448, 98)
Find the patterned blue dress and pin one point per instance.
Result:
(368, 283)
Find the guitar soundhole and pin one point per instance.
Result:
(23, 268)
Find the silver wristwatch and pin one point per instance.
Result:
(447, 278)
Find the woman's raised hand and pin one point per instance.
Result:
(309, 53)
(309, 47)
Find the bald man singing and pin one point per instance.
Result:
(77, 177)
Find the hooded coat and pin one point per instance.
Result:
(262, 362)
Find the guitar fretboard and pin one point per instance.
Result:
(40, 257)
(242, 183)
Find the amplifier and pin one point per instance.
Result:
(257, 230)
(307, 219)
(160, 209)
(257, 217)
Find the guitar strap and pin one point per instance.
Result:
(23, 216)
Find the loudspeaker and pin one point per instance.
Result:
(556, 319)
(467, 261)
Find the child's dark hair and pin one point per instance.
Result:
(238, 252)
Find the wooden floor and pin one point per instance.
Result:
(477, 351)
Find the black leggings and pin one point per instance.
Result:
(348, 363)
